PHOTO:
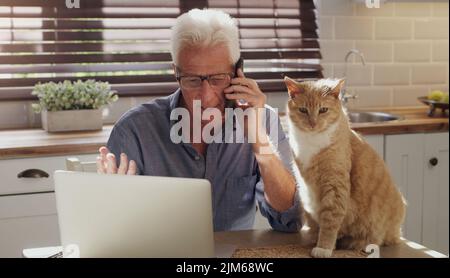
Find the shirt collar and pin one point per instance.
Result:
(174, 100)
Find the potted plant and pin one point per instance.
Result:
(72, 106)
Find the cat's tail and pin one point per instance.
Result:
(393, 235)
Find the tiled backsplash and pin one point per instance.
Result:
(406, 47)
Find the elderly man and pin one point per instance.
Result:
(204, 49)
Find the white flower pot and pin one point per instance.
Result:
(72, 120)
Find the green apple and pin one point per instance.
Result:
(436, 95)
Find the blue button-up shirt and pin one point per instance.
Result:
(143, 133)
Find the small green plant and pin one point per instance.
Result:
(67, 95)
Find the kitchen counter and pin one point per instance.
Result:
(414, 120)
(37, 142)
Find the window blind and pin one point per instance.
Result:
(126, 43)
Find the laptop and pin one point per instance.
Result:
(134, 216)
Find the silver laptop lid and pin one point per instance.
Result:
(134, 216)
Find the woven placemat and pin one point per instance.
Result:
(290, 251)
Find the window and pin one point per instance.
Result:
(127, 42)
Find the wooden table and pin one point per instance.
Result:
(227, 242)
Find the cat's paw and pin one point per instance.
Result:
(318, 252)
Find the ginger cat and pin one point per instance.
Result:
(349, 200)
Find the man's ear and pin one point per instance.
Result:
(293, 87)
(336, 91)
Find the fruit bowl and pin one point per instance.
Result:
(434, 105)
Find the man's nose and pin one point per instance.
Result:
(209, 97)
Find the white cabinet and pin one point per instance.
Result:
(435, 231)
(425, 187)
(27, 221)
(10, 169)
(28, 215)
(404, 158)
(377, 143)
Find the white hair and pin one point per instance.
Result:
(204, 28)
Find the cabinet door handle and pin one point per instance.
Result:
(434, 161)
(33, 173)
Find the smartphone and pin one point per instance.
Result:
(230, 103)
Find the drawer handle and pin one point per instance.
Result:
(32, 173)
(434, 161)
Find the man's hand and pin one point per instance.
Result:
(106, 163)
(246, 89)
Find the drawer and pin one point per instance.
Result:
(27, 232)
(10, 183)
(27, 205)
(27, 221)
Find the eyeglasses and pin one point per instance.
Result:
(220, 80)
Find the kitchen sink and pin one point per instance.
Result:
(372, 117)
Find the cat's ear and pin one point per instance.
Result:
(294, 88)
(337, 89)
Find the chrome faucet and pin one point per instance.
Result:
(344, 96)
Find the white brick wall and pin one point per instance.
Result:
(405, 45)
(14, 114)
(393, 28)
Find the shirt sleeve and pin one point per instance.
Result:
(123, 140)
(288, 220)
